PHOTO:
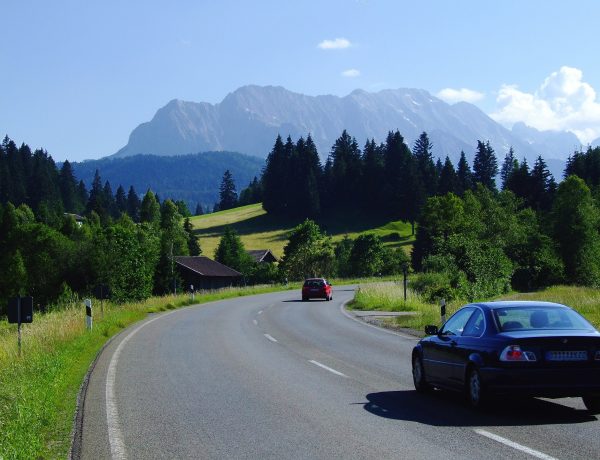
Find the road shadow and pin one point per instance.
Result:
(441, 408)
(303, 301)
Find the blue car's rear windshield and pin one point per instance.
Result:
(538, 317)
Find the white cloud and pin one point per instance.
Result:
(351, 73)
(563, 102)
(337, 44)
(455, 95)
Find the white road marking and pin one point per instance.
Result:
(270, 338)
(255, 322)
(514, 445)
(115, 436)
(317, 363)
(260, 312)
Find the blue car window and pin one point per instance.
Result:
(475, 325)
(456, 324)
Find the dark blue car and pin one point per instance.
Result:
(515, 348)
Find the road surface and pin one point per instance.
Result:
(270, 376)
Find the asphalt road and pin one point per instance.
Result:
(272, 377)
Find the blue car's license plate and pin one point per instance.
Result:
(566, 355)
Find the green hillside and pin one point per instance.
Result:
(259, 230)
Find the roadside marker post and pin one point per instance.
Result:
(405, 273)
(20, 310)
(192, 291)
(443, 310)
(88, 313)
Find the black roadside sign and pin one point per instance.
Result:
(25, 305)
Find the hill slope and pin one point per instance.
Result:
(192, 178)
(259, 230)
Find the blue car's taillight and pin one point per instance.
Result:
(513, 353)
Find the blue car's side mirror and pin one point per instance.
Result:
(431, 330)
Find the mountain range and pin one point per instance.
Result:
(249, 119)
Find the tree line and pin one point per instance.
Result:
(474, 239)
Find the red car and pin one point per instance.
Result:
(316, 288)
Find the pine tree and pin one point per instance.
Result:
(68, 189)
(192, 240)
(398, 162)
(231, 252)
(228, 196)
(274, 179)
(543, 186)
(97, 200)
(508, 167)
(448, 182)
(425, 165)
(121, 200)
(109, 199)
(346, 170)
(485, 166)
(133, 204)
(373, 176)
(465, 175)
(199, 210)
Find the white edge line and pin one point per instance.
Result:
(317, 363)
(255, 322)
(514, 445)
(115, 436)
(399, 334)
(260, 312)
(272, 339)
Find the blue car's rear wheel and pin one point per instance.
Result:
(592, 402)
(476, 395)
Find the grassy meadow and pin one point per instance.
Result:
(389, 296)
(258, 230)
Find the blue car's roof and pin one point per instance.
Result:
(517, 303)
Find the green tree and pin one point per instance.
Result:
(485, 165)
(366, 257)
(193, 241)
(342, 257)
(133, 205)
(508, 166)
(173, 242)
(307, 253)
(150, 209)
(448, 182)
(576, 232)
(228, 196)
(231, 252)
(422, 151)
(465, 175)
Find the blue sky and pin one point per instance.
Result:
(78, 77)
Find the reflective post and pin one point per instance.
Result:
(443, 310)
(88, 313)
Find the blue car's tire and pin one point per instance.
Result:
(476, 394)
(419, 378)
(592, 402)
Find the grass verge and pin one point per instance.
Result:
(390, 297)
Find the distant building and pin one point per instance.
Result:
(78, 219)
(262, 255)
(205, 273)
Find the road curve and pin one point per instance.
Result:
(271, 377)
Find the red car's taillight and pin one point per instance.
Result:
(513, 353)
